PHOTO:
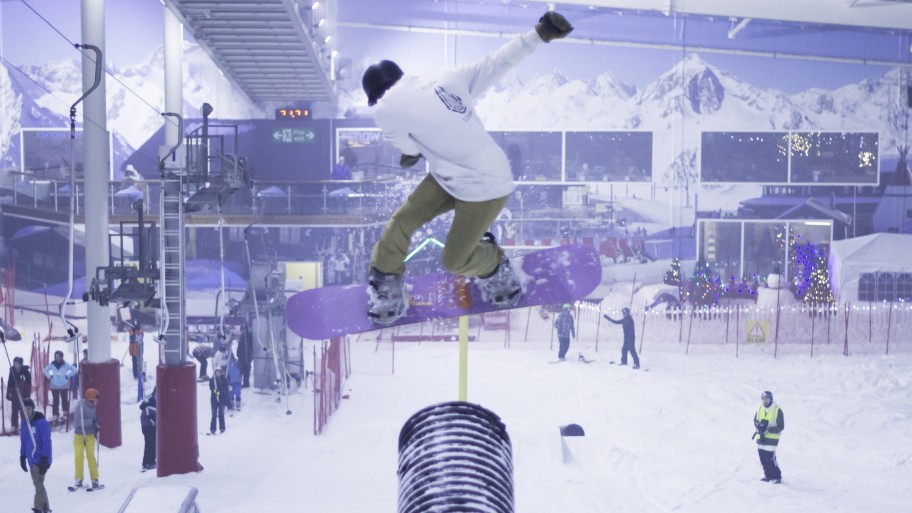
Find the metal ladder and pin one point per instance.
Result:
(172, 248)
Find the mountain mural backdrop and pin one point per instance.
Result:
(691, 97)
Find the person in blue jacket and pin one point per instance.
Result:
(35, 453)
(59, 373)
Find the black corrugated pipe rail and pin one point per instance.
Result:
(455, 457)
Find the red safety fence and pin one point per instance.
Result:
(333, 367)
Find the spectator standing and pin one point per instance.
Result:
(629, 337)
(218, 399)
(769, 423)
(234, 380)
(147, 420)
(245, 356)
(59, 373)
(564, 326)
(20, 378)
(35, 450)
(85, 434)
(341, 171)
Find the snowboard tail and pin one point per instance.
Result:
(555, 275)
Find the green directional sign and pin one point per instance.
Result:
(293, 135)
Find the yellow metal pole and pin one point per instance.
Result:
(463, 357)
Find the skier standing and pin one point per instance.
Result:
(147, 422)
(20, 377)
(59, 373)
(218, 399)
(564, 326)
(434, 117)
(769, 422)
(85, 433)
(234, 379)
(629, 337)
(36, 450)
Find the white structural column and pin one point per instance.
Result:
(174, 79)
(97, 166)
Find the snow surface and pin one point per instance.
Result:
(673, 438)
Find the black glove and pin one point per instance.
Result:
(552, 26)
(22, 463)
(406, 161)
(43, 466)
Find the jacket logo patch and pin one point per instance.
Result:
(452, 102)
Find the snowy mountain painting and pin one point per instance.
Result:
(40, 96)
(691, 97)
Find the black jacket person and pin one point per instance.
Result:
(629, 338)
(20, 377)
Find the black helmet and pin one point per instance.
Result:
(18, 359)
(766, 395)
(378, 78)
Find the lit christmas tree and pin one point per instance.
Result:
(819, 292)
(705, 288)
(673, 277)
(804, 261)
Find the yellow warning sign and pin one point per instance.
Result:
(756, 332)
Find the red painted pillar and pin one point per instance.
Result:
(177, 442)
(105, 377)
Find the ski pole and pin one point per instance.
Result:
(28, 422)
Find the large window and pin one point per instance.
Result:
(834, 157)
(609, 156)
(764, 249)
(751, 157)
(847, 158)
(752, 250)
(533, 156)
(720, 246)
(368, 154)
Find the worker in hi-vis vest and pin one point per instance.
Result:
(769, 423)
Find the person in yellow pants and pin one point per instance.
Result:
(85, 427)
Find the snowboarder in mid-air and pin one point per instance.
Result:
(433, 117)
(629, 337)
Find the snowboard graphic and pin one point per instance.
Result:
(555, 275)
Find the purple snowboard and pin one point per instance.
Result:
(556, 275)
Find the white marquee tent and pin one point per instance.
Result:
(876, 253)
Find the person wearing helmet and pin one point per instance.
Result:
(629, 337)
(20, 377)
(434, 117)
(85, 433)
(564, 327)
(769, 422)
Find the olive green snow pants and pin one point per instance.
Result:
(464, 253)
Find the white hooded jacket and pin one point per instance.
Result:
(435, 115)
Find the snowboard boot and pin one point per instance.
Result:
(78, 483)
(95, 484)
(501, 288)
(387, 297)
